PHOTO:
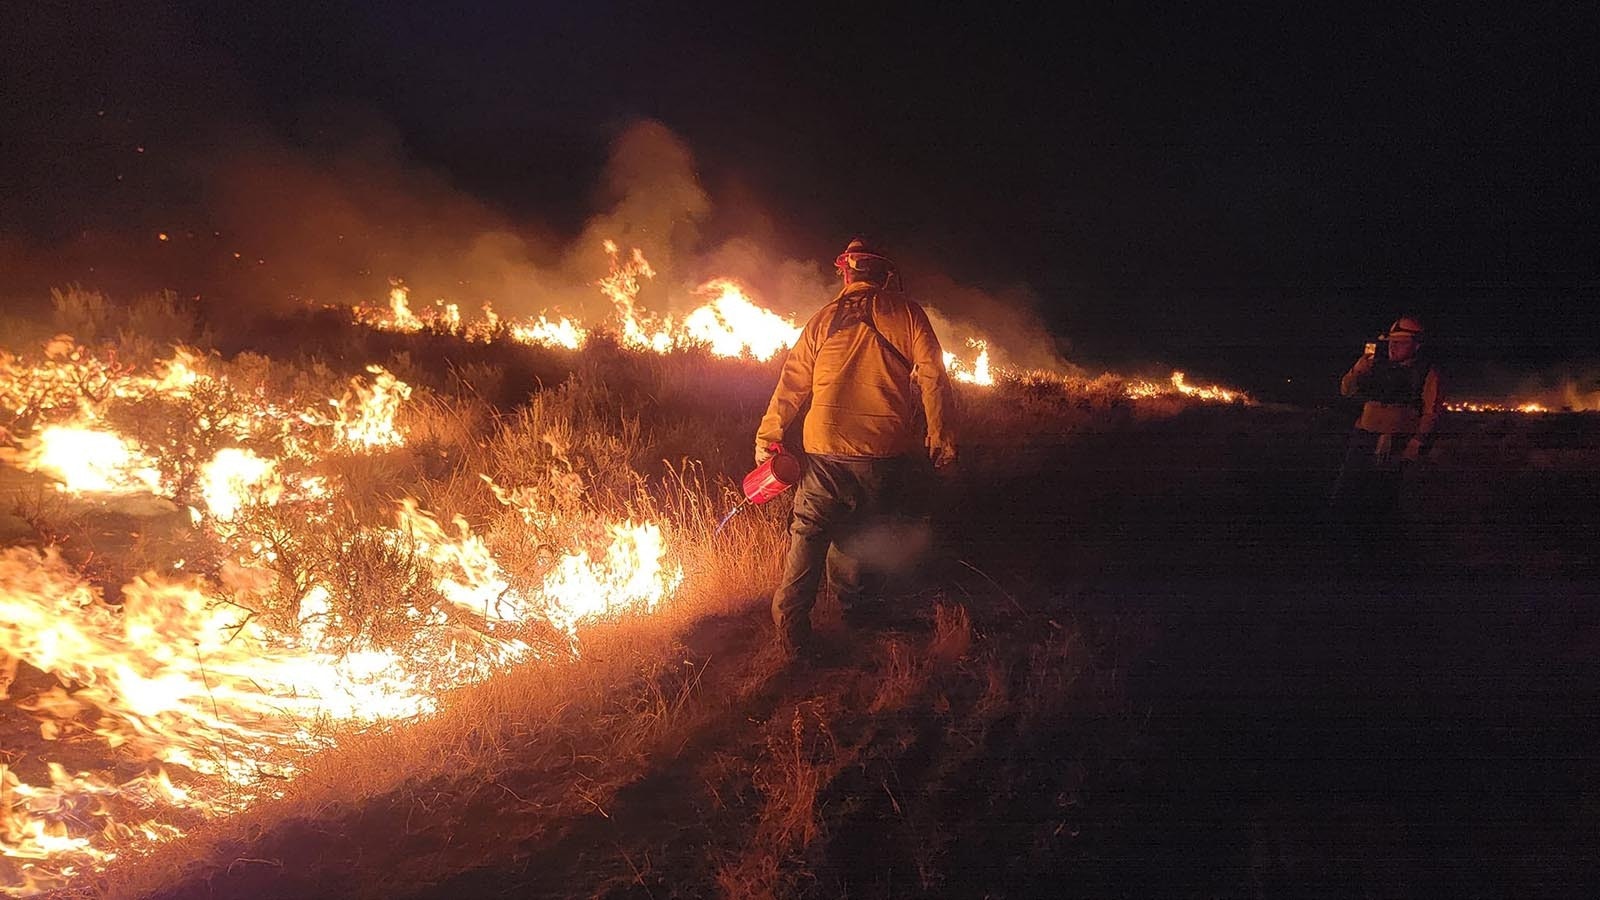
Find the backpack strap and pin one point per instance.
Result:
(858, 310)
(893, 350)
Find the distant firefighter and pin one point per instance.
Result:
(861, 362)
(1404, 397)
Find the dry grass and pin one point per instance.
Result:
(799, 763)
(867, 781)
(81, 313)
(593, 719)
(49, 516)
(952, 633)
(901, 674)
(570, 458)
(141, 329)
(622, 435)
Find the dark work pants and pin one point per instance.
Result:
(1367, 499)
(837, 498)
(1369, 484)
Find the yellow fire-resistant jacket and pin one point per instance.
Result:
(860, 390)
(1401, 399)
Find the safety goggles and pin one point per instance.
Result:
(851, 259)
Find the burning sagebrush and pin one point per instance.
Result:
(301, 599)
(353, 550)
(730, 324)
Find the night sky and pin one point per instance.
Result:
(1250, 191)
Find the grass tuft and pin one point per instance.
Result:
(952, 633)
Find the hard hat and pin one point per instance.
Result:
(1406, 326)
(859, 259)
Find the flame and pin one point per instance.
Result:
(89, 460)
(235, 477)
(1204, 392)
(979, 372)
(631, 576)
(177, 678)
(729, 324)
(561, 333)
(366, 414)
(732, 325)
(181, 678)
(472, 578)
(622, 288)
(1485, 406)
(1177, 383)
(398, 316)
(191, 686)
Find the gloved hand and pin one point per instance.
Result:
(1383, 450)
(942, 455)
(766, 451)
(1413, 451)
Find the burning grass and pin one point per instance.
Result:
(590, 719)
(447, 551)
(313, 592)
(442, 592)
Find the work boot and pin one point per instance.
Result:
(815, 652)
(794, 638)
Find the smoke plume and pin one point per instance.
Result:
(254, 220)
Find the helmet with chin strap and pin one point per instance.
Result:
(859, 262)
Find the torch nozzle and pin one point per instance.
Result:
(731, 513)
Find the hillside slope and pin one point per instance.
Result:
(1139, 665)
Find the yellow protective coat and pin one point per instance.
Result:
(1379, 417)
(862, 402)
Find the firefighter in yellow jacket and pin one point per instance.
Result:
(863, 362)
(1403, 394)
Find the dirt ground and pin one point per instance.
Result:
(1181, 678)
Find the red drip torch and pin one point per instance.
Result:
(766, 481)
